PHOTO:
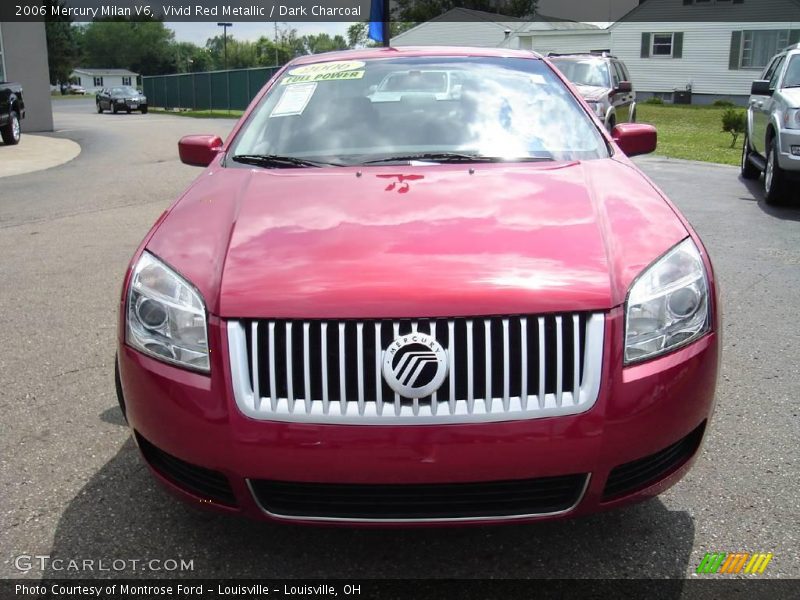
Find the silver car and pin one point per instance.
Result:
(603, 81)
(772, 139)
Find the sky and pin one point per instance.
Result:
(200, 32)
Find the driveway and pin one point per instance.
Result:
(74, 487)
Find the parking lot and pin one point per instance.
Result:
(74, 487)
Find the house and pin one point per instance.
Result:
(23, 59)
(713, 48)
(96, 79)
(465, 27)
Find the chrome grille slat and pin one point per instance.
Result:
(273, 393)
(306, 368)
(396, 333)
(342, 380)
(576, 363)
(378, 379)
(487, 332)
(435, 395)
(559, 362)
(289, 373)
(254, 354)
(506, 368)
(523, 358)
(470, 391)
(324, 355)
(542, 373)
(360, 346)
(512, 368)
(451, 355)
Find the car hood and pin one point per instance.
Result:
(792, 96)
(592, 92)
(416, 240)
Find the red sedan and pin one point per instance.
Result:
(419, 286)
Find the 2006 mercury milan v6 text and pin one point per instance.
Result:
(419, 286)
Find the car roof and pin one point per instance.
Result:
(413, 51)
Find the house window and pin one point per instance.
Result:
(98, 82)
(758, 46)
(662, 44)
(126, 81)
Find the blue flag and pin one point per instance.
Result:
(376, 18)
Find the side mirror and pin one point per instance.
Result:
(199, 150)
(760, 87)
(635, 138)
(624, 87)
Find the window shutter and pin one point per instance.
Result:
(677, 44)
(645, 45)
(687, 2)
(738, 1)
(794, 36)
(736, 46)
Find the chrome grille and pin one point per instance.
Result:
(500, 369)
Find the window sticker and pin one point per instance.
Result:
(294, 100)
(295, 79)
(328, 67)
(537, 79)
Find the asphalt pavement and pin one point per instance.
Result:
(73, 486)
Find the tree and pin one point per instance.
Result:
(190, 57)
(322, 42)
(734, 122)
(145, 47)
(62, 44)
(424, 10)
(358, 33)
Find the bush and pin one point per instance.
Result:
(724, 103)
(734, 122)
(654, 100)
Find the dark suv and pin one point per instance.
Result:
(12, 111)
(603, 81)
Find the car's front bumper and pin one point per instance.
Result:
(787, 159)
(641, 411)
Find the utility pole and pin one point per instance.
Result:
(225, 40)
(276, 43)
(386, 23)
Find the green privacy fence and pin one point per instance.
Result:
(210, 90)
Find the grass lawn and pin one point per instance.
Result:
(691, 132)
(201, 114)
(59, 96)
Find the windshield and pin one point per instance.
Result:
(792, 77)
(354, 112)
(125, 90)
(584, 72)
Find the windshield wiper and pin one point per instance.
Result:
(453, 157)
(279, 161)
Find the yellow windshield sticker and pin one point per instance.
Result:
(289, 79)
(337, 66)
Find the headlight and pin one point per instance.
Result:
(667, 305)
(791, 118)
(166, 316)
(597, 107)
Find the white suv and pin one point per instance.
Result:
(772, 138)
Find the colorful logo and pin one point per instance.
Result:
(734, 562)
